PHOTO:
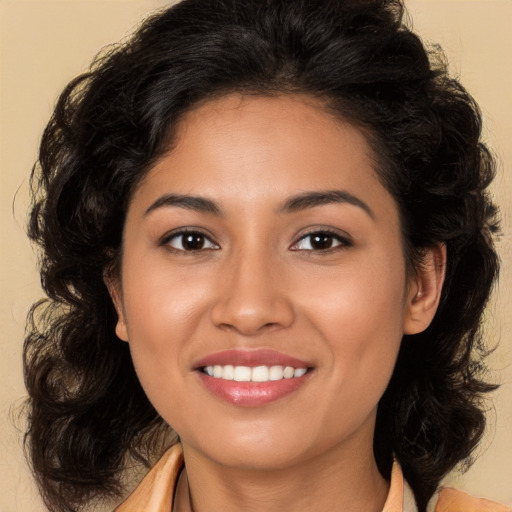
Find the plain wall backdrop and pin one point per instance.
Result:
(44, 44)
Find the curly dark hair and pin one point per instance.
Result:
(87, 411)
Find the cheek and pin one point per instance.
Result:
(360, 315)
(163, 314)
(160, 303)
(356, 302)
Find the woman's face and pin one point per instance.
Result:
(264, 246)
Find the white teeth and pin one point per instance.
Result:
(288, 372)
(299, 372)
(228, 372)
(242, 374)
(275, 373)
(256, 374)
(260, 374)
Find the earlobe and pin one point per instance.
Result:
(425, 289)
(114, 289)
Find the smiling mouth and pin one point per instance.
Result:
(255, 386)
(253, 374)
(252, 378)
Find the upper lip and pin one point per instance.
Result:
(251, 357)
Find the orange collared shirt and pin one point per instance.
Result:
(156, 491)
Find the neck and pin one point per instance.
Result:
(342, 479)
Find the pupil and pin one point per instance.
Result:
(322, 241)
(193, 241)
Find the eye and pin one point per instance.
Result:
(189, 241)
(320, 241)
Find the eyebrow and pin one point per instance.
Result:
(293, 204)
(308, 200)
(198, 204)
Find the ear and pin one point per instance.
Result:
(424, 291)
(113, 285)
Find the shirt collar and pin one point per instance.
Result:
(400, 497)
(155, 492)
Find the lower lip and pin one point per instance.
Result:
(252, 394)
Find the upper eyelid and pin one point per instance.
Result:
(344, 237)
(183, 231)
(345, 241)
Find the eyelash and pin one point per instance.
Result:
(343, 241)
(166, 241)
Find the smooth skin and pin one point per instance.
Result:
(323, 279)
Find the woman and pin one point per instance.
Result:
(266, 225)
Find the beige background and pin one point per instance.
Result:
(43, 44)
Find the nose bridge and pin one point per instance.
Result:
(251, 295)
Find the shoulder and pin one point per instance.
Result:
(452, 500)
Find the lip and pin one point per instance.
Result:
(254, 357)
(251, 394)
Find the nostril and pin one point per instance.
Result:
(250, 316)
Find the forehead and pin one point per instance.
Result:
(252, 147)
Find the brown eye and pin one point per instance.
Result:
(320, 241)
(190, 241)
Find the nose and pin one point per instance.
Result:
(251, 297)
